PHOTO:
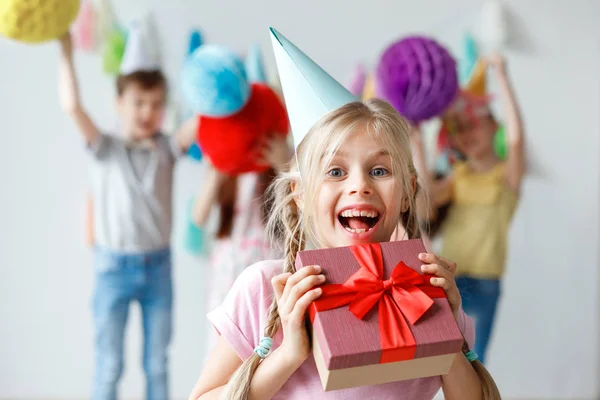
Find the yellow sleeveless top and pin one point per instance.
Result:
(475, 232)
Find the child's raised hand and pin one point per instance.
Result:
(444, 271)
(294, 293)
(497, 62)
(275, 152)
(66, 43)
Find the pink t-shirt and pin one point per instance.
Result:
(241, 318)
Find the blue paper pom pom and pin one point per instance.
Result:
(194, 152)
(195, 41)
(214, 82)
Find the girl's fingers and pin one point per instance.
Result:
(301, 288)
(451, 290)
(438, 270)
(297, 277)
(278, 283)
(429, 258)
(299, 310)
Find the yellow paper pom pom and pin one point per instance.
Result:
(36, 21)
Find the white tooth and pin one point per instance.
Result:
(356, 213)
(360, 230)
(348, 229)
(364, 213)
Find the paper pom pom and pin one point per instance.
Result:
(418, 77)
(195, 41)
(358, 80)
(106, 20)
(195, 153)
(82, 29)
(232, 143)
(114, 48)
(36, 21)
(214, 82)
(469, 59)
(500, 143)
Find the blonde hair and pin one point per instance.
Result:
(293, 227)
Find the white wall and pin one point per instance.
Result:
(546, 342)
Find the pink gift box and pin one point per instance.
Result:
(350, 351)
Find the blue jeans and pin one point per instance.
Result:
(121, 279)
(479, 299)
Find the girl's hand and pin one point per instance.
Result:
(444, 271)
(66, 43)
(294, 293)
(415, 134)
(497, 62)
(274, 152)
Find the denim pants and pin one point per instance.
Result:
(479, 301)
(121, 279)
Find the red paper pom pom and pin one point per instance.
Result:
(231, 142)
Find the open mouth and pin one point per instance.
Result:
(358, 221)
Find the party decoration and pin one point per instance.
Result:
(106, 20)
(113, 50)
(195, 152)
(358, 80)
(83, 28)
(194, 241)
(418, 77)
(195, 41)
(214, 81)
(235, 116)
(470, 57)
(255, 68)
(139, 54)
(309, 91)
(500, 146)
(36, 21)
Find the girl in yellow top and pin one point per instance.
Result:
(481, 194)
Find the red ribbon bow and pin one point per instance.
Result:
(402, 299)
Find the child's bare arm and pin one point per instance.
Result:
(515, 164)
(186, 135)
(208, 194)
(69, 92)
(433, 193)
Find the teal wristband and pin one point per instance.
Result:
(264, 346)
(471, 355)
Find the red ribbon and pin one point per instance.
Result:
(402, 299)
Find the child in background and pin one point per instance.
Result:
(479, 197)
(350, 156)
(132, 178)
(240, 236)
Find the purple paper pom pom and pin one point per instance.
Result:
(418, 77)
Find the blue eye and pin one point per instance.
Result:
(335, 173)
(379, 172)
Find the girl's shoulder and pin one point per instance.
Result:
(261, 271)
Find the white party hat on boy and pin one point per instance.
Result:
(139, 55)
(308, 90)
